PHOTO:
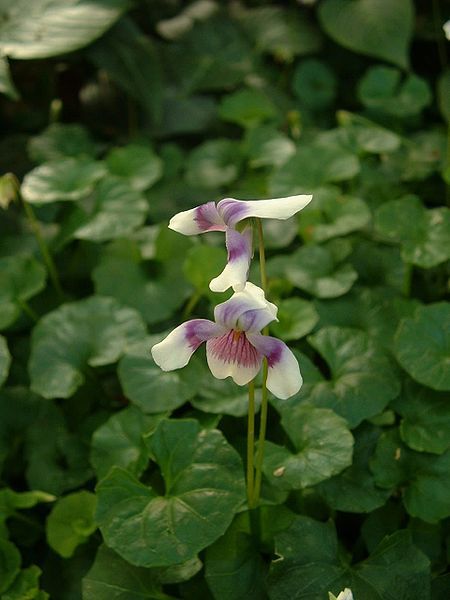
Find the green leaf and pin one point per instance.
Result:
(156, 298)
(137, 164)
(57, 461)
(297, 317)
(66, 179)
(112, 577)
(422, 479)
(26, 586)
(422, 345)
(77, 336)
(354, 489)
(382, 89)
(9, 564)
(424, 234)
(247, 107)
(61, 140)
(323, 447)
(5, 360)
(316, 270)
(333, 214)
(377, 28)
(201, 264)
(311, 167)
(120, 441)
(308, 566)
(21, 278)
(203, 489)
(7, 86)
(234, 568)
(362, 378)
(71, 522)
(11, 501)
(367, 135)
(148, 386)
(314, 84)
(284, 33)
(114, 211)
(44, 29)
(213, 164)
(425, 424)
(131, 60)
(265, 146)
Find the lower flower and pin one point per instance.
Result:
(234, 345)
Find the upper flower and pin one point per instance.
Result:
(234, 345)
(224, 217)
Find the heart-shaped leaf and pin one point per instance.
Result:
(43, 28)
(66, 179)
(424, 234)
(297, 317)
(213, 164)
(423, 479)
(323, 445)
(71, 522)
(61, 140)
(77, 336)
(422, 344)
(21, 278)
(425, 425)
(138, 164)
(120, 441)
(362, 378)
(378, 28)
(204, 487)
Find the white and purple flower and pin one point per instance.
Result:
(224, 217)
(234, 345)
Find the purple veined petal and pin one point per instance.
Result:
(177, 348)
(251, 298)
(233, 211)
(198, 220)
(235, 273)
(232, 355)
(254, 320)
(284, 378)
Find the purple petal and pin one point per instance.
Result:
(283, 378)
(232, 355)
(198, 220)
(235, 273)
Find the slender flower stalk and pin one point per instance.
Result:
(251, 443)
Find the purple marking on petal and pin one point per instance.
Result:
(234, 347)
(208, 219)
(273, 350)
(199, 330)
(232, 211)
(237, 245)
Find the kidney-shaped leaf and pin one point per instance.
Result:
(424, 234)
(67, 179)
(204, 487)
(362, 378)
(136, 163)
(67, 341)
(45, 28)
(422, 345)
(323, 444)
(379, 28)
(21, 278)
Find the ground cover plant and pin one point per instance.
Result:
(121, 480)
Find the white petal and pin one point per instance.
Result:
(250, 299)
(232, 355)
(345, 595)
(198, 220)
(177, 348)
(283, 378)
(234, 211)
(235, 273)
(446, 28)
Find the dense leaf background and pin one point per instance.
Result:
(118, 480)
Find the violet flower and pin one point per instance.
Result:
(234, 345)
(224, 217)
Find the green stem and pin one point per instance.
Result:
(192, 302)
(264, 400)
(28, 310)
(51, 268)
(251, 443)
